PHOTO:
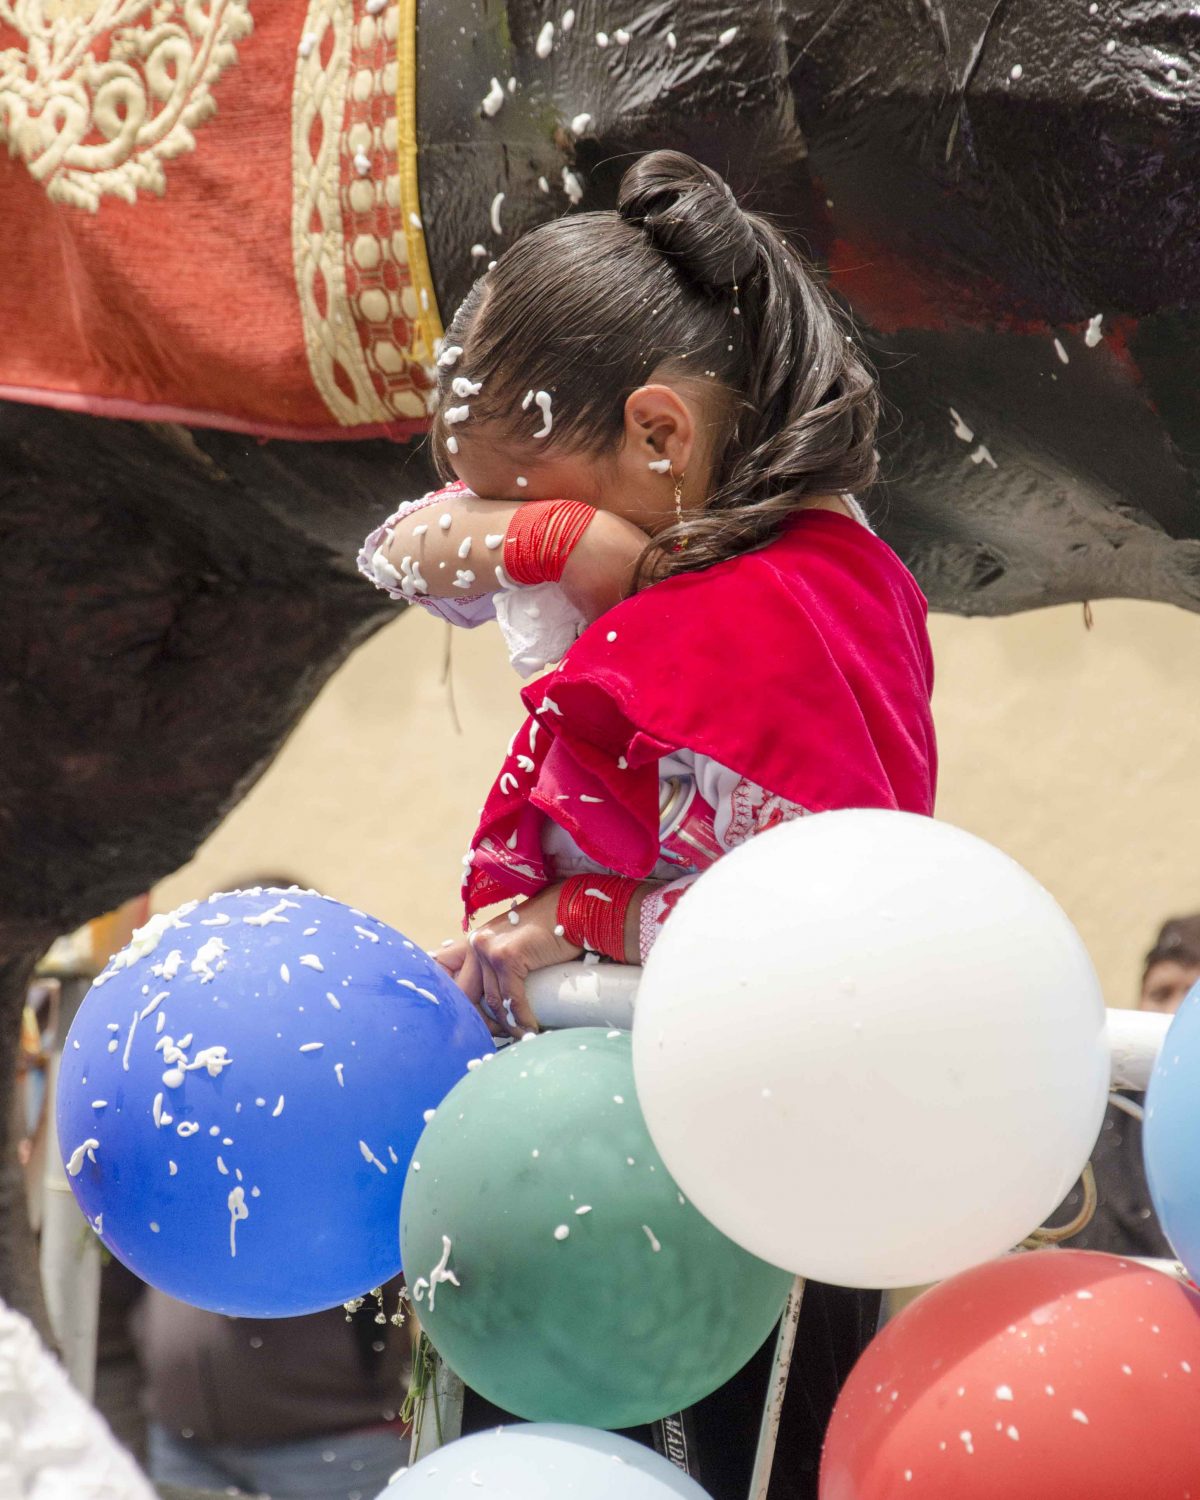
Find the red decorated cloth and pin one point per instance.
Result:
(805, 667)
(205, 217)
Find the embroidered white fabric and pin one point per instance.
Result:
(53, 1445)
(741, 809)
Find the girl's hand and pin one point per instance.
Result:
(493, 963)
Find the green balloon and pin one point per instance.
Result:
(588, 1289)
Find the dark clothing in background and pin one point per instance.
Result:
(1125, 1222)
(119, 1378)
(244, 1381)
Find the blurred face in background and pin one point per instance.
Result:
(1166, 985)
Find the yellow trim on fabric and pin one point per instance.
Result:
(429, 320)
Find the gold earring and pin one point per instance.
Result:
(678, 478)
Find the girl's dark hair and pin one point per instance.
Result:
(681, 281)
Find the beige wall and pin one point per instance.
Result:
(1074, 751)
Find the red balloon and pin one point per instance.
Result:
(1049, 1376)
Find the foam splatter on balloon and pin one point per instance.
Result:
(241, 1093)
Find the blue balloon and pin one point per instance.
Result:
(241, 1093)
(1171, 1134)
(544, 1461)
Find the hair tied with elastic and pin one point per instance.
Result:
(691, 217)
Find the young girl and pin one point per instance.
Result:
(735, 646)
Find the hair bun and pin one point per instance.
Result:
(689, 214)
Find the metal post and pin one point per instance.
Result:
(70, 1251)
(768, 1432)
(438, 1417)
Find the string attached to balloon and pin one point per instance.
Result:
(1058, 1234)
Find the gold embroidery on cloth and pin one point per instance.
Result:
(429, 329)
(97, 94)
(357, 301)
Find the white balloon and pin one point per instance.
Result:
(544, 1461)
(871, 1048)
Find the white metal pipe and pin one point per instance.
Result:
(585, 994)
(1135, 1038)
(604, 995)
(69, 1259)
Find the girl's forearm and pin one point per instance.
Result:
(452, 549)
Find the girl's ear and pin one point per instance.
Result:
(659, 424)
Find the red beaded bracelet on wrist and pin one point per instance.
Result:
(541, 536)
(592, 911)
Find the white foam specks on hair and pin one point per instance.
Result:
(542, 398)
(1093, 335)
(478, 251)
(602, 39)
(727, 36)
(451, 444)
(622, 37)
(572, 185)
(453, 352)
(1061, 352)
(568, 20)
(462, 387)
(671, 42)
(494, 213)
(544, 45)
(456, 414)
(581, 122)
(527, 401)
(982, 455)
(961, 430)
(493, 99)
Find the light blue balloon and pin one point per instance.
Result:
(242, 1091)
(544, 1461)
(1171, 1134)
